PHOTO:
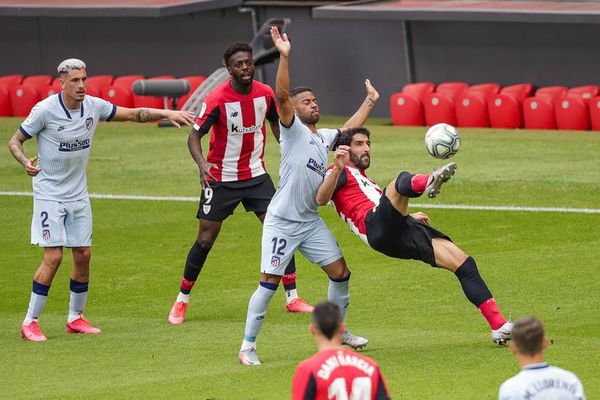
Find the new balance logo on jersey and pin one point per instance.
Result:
(242, 130)
(319, 168)
(234, 114)
(74, 146)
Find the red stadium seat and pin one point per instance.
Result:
(99, 82)
(452, 89)
(520, 91)
(118, 95)
(10, 81)
(439, 108)
(406, 110)
(571, 114)
(471, 106)
(594, 105)
(471, 111)
(538, 113)
(126, 81)
(505, 108)
(5, 107)
(551, 93)
(194, 81)
(585, 93)
(419, 89)
(92, 91)
(38, 82)
(150, 101)
(56, 86)
(22, 100)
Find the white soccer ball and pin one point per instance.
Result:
(442, 140)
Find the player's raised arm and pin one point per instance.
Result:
(15, 145)
(361, 115)
(282, 81)
(178, 118)
(329, 184)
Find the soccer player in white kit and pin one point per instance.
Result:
(537, 380)
(292, 222)
(64, 125)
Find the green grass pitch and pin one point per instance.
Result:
(430, 341)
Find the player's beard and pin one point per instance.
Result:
(361, 162)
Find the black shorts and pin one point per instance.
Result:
(218, 201)
(399, 236)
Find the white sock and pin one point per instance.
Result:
(73, 316)
(291, 295)
(247, 345)
(36, 306)
(183, 297)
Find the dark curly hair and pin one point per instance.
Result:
(234, 48)
(345, 138)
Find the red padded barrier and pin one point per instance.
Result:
(118, 95)
(594, 105)
(5, 107)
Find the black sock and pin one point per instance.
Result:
(193, 265)
(289, 279)
(472, 283)
(404, 185)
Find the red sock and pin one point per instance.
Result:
(186, 286)
(492, 313)
(418, 183)
(289, 279)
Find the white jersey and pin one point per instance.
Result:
(301, 171)
(64, 138)
(542, 382)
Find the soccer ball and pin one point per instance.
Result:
(442, 140)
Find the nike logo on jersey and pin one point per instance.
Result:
(60, 128)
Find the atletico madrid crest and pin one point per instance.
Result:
(275, 261)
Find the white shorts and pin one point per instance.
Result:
(281, 238)
(56, 224)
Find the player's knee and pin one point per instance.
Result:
(52, 260)
(83, 255)
(206, 241)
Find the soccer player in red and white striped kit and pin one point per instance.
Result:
(234, 170)
(381, 220)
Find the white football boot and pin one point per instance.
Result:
(249, 357)
(438, 177)
(501, 335)
(356, 342)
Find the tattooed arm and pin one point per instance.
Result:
(153, 114)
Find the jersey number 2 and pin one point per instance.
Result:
(361, 389)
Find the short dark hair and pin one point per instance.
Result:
(300, 89)
(234, 48)
(528, 335)
(345, 138)
(327, 318)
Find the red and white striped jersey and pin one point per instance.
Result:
(355, 195)
(339, 374)
(237, 141)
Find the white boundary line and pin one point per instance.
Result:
(441, 206)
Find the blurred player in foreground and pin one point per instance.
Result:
(537, 380)
(336, 372)
(64, 126)
(381, 220)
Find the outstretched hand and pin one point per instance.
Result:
(281, 42)
(421, 217)
(179, 118)
(204, 169)
(372, 93)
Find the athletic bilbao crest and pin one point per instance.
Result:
(275, 261)
(46, 234)
(206, 208)
(89, 122)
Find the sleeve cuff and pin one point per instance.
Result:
(112, 113)
(24, 132)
